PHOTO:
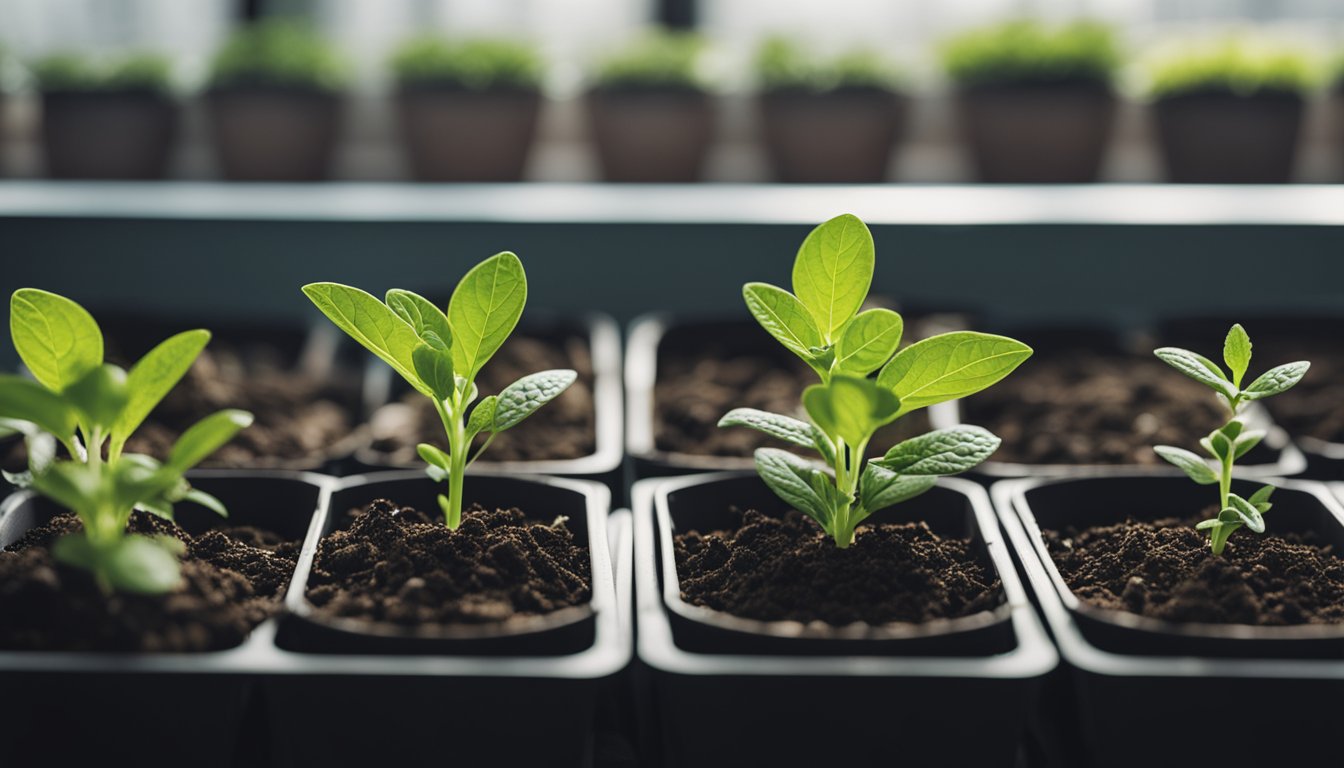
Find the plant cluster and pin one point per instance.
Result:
(75, 72)
(277, 52)
(1239, 64)
(783, 64)
(440, 354)
(658, 60)
(1234, 439)
(821, 322)
(77, 403)
(475, 64)
(1030, 52)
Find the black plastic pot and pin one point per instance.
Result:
(604, 464)
(64, 708)
(274, 133)
(458, 134)
(843, 136)
(727, 691)
(1147, 692)
(127, 134)
(1220, 137)
(1032, 133)
(368, 694)
(651, 135)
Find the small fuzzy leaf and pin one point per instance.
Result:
(523, 397)
(941, 452)
(791, 478)
(880, 487)
(1197, 368)
(483, 416)
(433, 455)
(1276, 380)
(785, 428)
(1237, 352)
(1247, 440)
(1190, 463)
(868, 341)
(1247, 511)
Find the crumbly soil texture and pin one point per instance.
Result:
(233, 579)
(1094, 408)
(775, 569)
(566, 428)
(1165, 570)
(401, 566)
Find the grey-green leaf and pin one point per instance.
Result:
(434, 367)
(56, 338)
(523, 397)
(1190, 463)
(1276, 380)
(869, 341)
(1237, 352)
(785, 428)
(1195, 367)
(833, 272)
(941, 452)
(784, 317)
(484, 310)
(27, 400)
(205, 437)
(790, 477)
(483, 416)
(950, 366)
(880, 487)
(1247, 511)
(153, 377)
(429, 322)
(371, 323)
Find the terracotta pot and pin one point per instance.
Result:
(273, 133)
(1036, 133)
(454, 134)
(108, 134)
(841, 136)
(1226, 138)
(653, 135)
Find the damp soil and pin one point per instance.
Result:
(398, 565)
(786, 569)
(1165, 570)
(233, 579)
(1095, 408)
(566, 428)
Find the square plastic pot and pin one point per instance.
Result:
(1151, 692)
(67, 708)
(366, 694)
(728, 691)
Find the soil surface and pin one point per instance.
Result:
(233, 579)
(788, 569)
(1165, 570)
(565, 428)
(398, 565)
(1093, 408)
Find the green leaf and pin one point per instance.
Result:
(27, 400)
(73, 485)
(1247, 440)
(833, 272)
(99, 397)
(371, 323)
(153, 377)
(205, 437)
(434, 367)
(850, 408)
(429, 322)
(950, 366)
(1247, 511)
(484, 310)
(1217, 444)
(869, 341)
(1197, 368)
(483, 416)
(785, 428)
(941, 452)
(784, 317)
(1276, 380)
(197, 496)
(141, 565)
(880, 487)
(1260, 499)
(523, 397)
(1237, 353)
(1190, 463)
(56, 338)
(433, 455)
(791, 478)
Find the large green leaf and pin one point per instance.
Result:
(153, 377)
(949, 366)
(523, 397)
(880, 487)
(941, 452)
(1237, 352)
(796, 482)
(850, 408)
(205, 437)
(27, 400)
(833, 272)
(429, 322)
(56, 338)
(783, 316)
(868, 342)
(371, 323)
(484, 310)
(1276, 380)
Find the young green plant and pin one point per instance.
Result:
(90, 408)
(1234, 439)
(440, 354)
(821, 322)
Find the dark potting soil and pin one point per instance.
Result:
(565, 428)
(1165, 570)
(1094, 408)
(398, 565)
(233, 579)
(789, 570)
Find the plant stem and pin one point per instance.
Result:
(450, 414)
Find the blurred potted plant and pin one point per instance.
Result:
(1035, 103)
(274, 103)
(106, 119)
(467, 109)
(1229, 110)
(651, 115)
(828, 120)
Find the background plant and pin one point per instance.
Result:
(1025, 51)
(1232, 440)
(440, 355)
(278, 52)
(475, 64)
(1241, 64)
(90, 408)
(820, 322)
(783, 64)
(77, 72)
(657, 60)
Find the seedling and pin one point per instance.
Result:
(820, 322)
(1232, 440)
(441, 354)
(90, 408)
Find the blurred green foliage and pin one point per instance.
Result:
(477, 64)
(782, 63)
(657, 60)
(80, 72)
(1241, 63)
(278, 52)
(1029, 52)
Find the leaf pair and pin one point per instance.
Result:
(1238, 512)
(1227, 443)
(1237, 357)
